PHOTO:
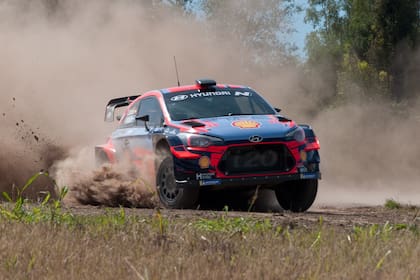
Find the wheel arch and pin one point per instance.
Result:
(162, 149)
(162, 145)
(101, 156)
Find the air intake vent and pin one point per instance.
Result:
(257, 159)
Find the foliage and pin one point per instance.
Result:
(364, 42)
(47, 241)
(233, 225)
(112, 244)
(392, 204)
(47, 211)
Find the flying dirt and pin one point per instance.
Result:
(58, 69)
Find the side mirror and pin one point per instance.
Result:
(278, 110)
(144, 118)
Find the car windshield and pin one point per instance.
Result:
(217, 103)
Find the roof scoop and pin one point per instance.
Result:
(204, 83)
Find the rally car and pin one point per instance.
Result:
(209, 137)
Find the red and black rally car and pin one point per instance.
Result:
(210, 136)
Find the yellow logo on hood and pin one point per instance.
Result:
(246, 124)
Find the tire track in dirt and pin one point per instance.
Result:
(345, 218)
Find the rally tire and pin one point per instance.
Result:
(297, 196)
(170, 195)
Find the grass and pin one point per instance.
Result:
(46, 241)
(115, 245)
(392, 204)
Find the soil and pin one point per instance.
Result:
(110, 187)
(345, 218)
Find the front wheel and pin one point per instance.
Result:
(297, 196)
(170, 195)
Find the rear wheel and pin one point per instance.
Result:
(297, 196)
(170, 195)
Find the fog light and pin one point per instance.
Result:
(303, 155)
(204, 162)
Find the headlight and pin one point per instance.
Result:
(298, 134)
(196, 140)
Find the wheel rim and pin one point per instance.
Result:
(168, 189)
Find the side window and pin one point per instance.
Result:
(150, 106)
(130, 118)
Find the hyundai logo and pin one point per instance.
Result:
(255, 138)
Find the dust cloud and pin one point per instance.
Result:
(369, 147)
(109, 185)
(58, 69)
(369, 155)
(60, 65)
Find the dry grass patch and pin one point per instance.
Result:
(44, 241)
(116, 246)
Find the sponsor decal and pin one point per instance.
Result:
(179, 97)
(246, 124)
(209, 93)
(204, 162)
(255, 159)
(171, 130)
(204, 176)
(303, 169)
(240, 93)
(210, 182)
(309, 176)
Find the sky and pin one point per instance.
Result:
(302, 29)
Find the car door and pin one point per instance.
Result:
(126, 129)
(133, 140)
(141, 142)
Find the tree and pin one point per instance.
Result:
(259, 26)
(398, 23)
(325, 45)
(369, 42)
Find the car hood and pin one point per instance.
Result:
(235, 128)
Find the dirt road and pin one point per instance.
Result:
(345, 218)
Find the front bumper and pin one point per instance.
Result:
(243, 182)
(225, 169)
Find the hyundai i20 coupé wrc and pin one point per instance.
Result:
(210, 136)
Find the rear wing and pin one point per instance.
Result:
(116, 103)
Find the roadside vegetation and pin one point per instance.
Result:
(48, 241)
(392, 204)
(360, 52)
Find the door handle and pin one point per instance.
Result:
(126, 142)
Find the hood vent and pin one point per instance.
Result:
(194, 123)
(283, 119)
